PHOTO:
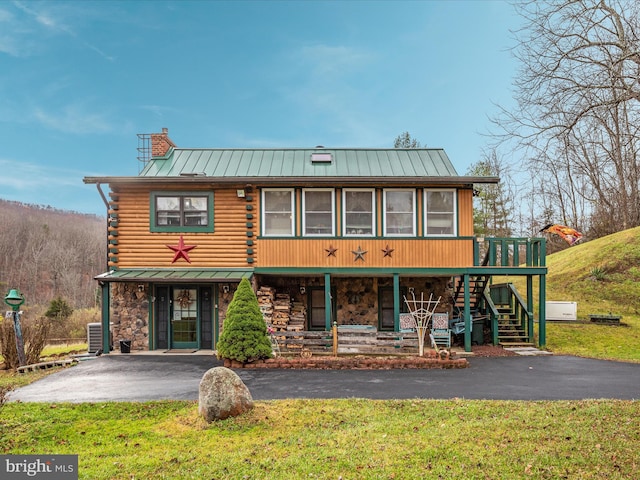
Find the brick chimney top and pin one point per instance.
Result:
(161, 143)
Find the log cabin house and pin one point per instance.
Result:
(327, 236)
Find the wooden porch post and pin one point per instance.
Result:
(396, 302)
(542, 313)
(530, 306)
(328, 311)
(467, 314)
(105, 289)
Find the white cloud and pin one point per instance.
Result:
(51, 16)
(34, 178)
(73, 119)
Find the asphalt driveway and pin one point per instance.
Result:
(158, 377)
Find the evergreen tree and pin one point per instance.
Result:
(492, 206)
(244, 334)
(404, 140)
(59, 309)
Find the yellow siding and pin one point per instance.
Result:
(465, 213)
(226, 247)
(407, 253)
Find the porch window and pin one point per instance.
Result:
(318, 208)
(181, 212)
(399, 213)
(440, 212)
(358, 212)
(277, 212)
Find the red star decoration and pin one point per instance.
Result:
(182, 250)
(387, 251)
(331, 251)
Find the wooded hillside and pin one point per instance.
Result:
(45, 253)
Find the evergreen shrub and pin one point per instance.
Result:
(244, 335)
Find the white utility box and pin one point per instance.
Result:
(562, 310)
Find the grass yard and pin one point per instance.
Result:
(347, 439)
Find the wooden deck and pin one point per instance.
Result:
(351, 341)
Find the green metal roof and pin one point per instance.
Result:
(173, 275)
(238, 163)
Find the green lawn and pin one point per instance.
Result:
(348, 439)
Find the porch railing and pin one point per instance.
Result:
(509, 252)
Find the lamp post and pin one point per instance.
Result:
(15, 300)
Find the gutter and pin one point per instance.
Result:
(288, 181)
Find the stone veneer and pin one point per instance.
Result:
(130, 315)
(357, 302)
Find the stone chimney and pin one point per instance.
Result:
(161, 143)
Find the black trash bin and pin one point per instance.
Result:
(477, 332)
(125, 346)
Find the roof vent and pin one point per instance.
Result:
(323, 157)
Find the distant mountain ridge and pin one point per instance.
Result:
(46, 208)
(47, 252)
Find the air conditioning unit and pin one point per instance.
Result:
(94, 337)
(562, 311)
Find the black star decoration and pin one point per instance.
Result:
(387, 251)
(359, 254)
(331, 251)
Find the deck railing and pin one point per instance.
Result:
(509, 252)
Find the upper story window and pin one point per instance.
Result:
(277, 212)
(399, 212)
(181, 212)
(318, 212)
(440, 212)
(359, 212)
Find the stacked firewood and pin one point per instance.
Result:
(266, 295)
(281, 312)
(296, 317)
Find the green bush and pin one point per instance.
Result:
(244, 334)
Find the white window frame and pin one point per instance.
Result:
(428, 212)
(265, 213)
(345, 226)
(385, 192)
(332, 193)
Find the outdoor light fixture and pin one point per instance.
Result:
(225, 288)
(240, 193)
(303, 290)
(15, 300)
(141, 288)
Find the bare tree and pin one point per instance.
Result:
(578, 108)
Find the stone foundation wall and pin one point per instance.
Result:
(130, 315)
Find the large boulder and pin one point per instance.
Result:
(223, 394)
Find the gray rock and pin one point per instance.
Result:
(222, 394)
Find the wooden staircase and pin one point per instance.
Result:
(511, 333)
(477, 286)
(508, 308)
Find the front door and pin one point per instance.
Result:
(184, 318)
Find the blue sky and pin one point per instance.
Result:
(79, 80)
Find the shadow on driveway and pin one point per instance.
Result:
(177, 377)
